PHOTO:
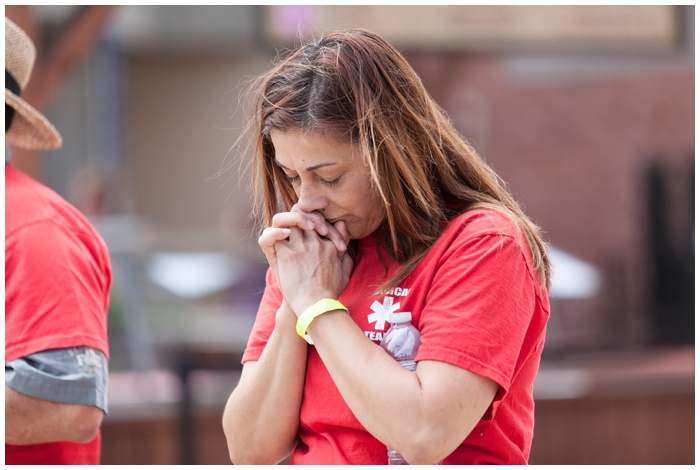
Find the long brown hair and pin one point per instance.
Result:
(354, 85)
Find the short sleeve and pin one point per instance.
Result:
(480, 311)
(264, 320)
(57, 283)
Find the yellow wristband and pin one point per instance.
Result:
(319, 308)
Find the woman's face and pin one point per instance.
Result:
(330, 177)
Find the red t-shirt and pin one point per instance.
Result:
(57, 283)
(478, 305)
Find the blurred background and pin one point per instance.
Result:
(587, 112)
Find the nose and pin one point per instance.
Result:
(311, 200)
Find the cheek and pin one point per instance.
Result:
(372, 208)
(378, 211)
(360, 200)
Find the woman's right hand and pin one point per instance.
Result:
(280, 230)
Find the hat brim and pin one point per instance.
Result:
(30, 129)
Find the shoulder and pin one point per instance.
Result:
(31, 205)
(480, 236)
(482, 223)
(24, 200)
(40, 225)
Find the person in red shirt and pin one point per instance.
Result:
(374, 205)
(57, 284)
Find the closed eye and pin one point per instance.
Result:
(332, 182)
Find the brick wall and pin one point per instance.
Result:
(574, 152)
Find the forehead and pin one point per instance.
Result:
(302, 147)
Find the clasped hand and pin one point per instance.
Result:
(308, 257)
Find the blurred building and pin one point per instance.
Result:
(587, 112)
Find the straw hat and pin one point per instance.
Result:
(29, 129)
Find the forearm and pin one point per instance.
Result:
(34, 421)
(342, 346)
(420, 415)
(261, 418)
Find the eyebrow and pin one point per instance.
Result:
(311, 168)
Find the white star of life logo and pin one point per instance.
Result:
(382, 312)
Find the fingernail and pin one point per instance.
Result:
(342, 245)
(324, 229)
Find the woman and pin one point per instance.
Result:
(374, 204)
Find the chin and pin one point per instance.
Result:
(356, 234)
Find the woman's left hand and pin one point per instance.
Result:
(310, 269)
